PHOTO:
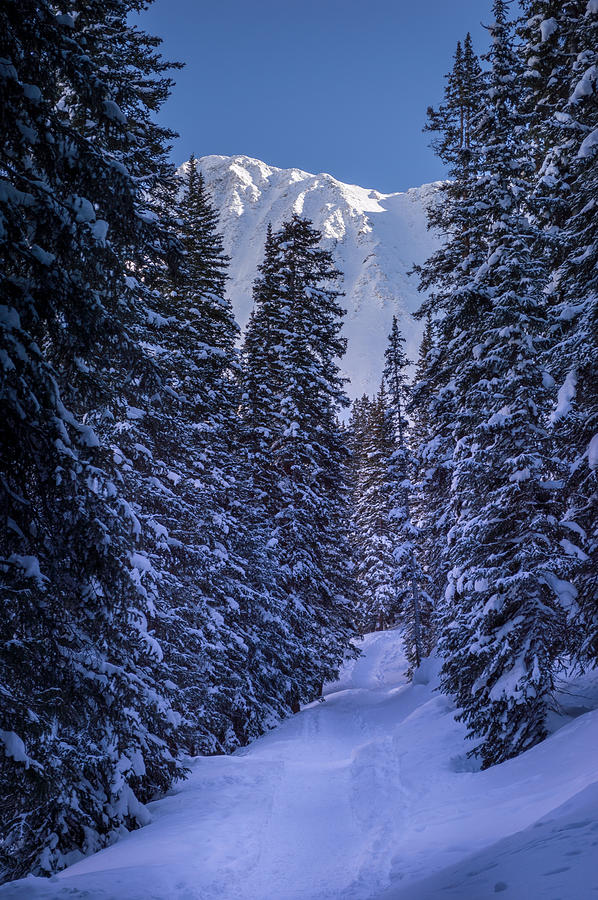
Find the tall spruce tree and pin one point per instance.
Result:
(87, 727)
(379, 595)
(357, 433)
(575, 355)
(175, 458)
(260, 382)
(409, 577)
(446, 277)
(293, 392)
(248, 685)
(559, 42)
(262, 377)
(431, 467)
(504, 634)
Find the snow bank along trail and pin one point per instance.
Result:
(367, 795)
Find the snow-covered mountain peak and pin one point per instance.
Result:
(375, 238)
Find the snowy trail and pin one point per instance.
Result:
(368, 795)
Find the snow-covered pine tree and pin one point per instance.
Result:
(379, 595)
(577, 292)
(454, 119)
(431, 472)
(505, 632)
(293, 392)
(409, 578)
(262, 378)
(421, 412)
(357, 432)
(547, 47)
(560, 47)
(175, 459)
(260, 382)
(445, 277)
(86, 725)
(242, 683)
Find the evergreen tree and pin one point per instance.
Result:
(262, 377)
(379, 603)
(577, 311)
(249, 685)
(456, 145)
(546, 48)
(421, 425)
(292, 394)
(357, 433)
(450, 305)
(260, 381)
(561, 58)
(87, 726)
(431, 469)
(409, 578)
(504, 633)
(175, 460)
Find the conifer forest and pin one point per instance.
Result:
(197, 526)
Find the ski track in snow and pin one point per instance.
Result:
(367, 796)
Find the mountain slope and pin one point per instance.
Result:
(366, 796)
(375, 239)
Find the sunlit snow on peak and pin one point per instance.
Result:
(375, 238)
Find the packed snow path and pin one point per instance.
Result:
(367, 795)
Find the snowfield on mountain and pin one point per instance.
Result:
(369, 795)
(375, 239)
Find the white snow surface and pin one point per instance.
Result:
(548, 28)
(375, 239)
(366, 796)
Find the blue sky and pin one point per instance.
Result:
(337, 86)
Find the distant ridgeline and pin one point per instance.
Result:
(375, 240)
(190, 537)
